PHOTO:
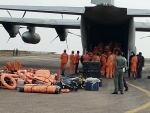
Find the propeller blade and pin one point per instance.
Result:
(144, 37)
(62, 16)
(8, 40)
(9, 13)
(73, 33)
(20, 34)
(54, 39)
(78, 18)
(67, 44)
(24, 14)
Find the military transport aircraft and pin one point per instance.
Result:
(103, 22)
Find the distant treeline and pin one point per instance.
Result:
(25, 53)
(28, 52)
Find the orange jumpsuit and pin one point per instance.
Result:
(103, 63)
(100, 48)
(95, 50)
(91, 55)
(96, 58)
(64, 60)
(72, 62)
(113, 68)
(86, 58)
(109, 66)
(134, 62)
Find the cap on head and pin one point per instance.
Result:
(140, 53)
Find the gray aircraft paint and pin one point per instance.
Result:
(62, 33)
(84, 34)
(69, 10)
(46, 9)
(142, 26)
(65, 23)
(31, 38)
(102, 1)
(49, 23)
(12, 30)
(131, 36)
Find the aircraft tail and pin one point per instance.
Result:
(102, 1)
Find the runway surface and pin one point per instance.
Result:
(101, 101)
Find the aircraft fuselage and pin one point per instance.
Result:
(107, 24)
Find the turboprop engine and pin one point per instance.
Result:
(12, 30)
(32, 38)
(62, 33)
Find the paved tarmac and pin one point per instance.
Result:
(137, 99)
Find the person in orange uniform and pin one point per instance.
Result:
(86, 57)
(77, 58)
(96, 57)
(109, 66)
(72, 62)
(64, 60)
(103, 63)
(91, 55)
(114, 57)
(134, 63)
(95, 50)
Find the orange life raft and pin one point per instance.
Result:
(34, 88)
(65, 90)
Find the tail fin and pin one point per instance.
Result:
(102, 1)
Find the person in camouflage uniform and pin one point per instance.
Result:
(118, 77)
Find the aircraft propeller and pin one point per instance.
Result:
(20, 27)
(68, 32)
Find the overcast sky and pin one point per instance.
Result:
(74, 42)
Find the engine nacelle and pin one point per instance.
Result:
(62, 33)
(12, 30)
(32, 38)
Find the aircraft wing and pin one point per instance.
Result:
(138, 12)
(46, 9)
(50, 23)
(142, 26)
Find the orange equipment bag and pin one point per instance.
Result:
(34, 88)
